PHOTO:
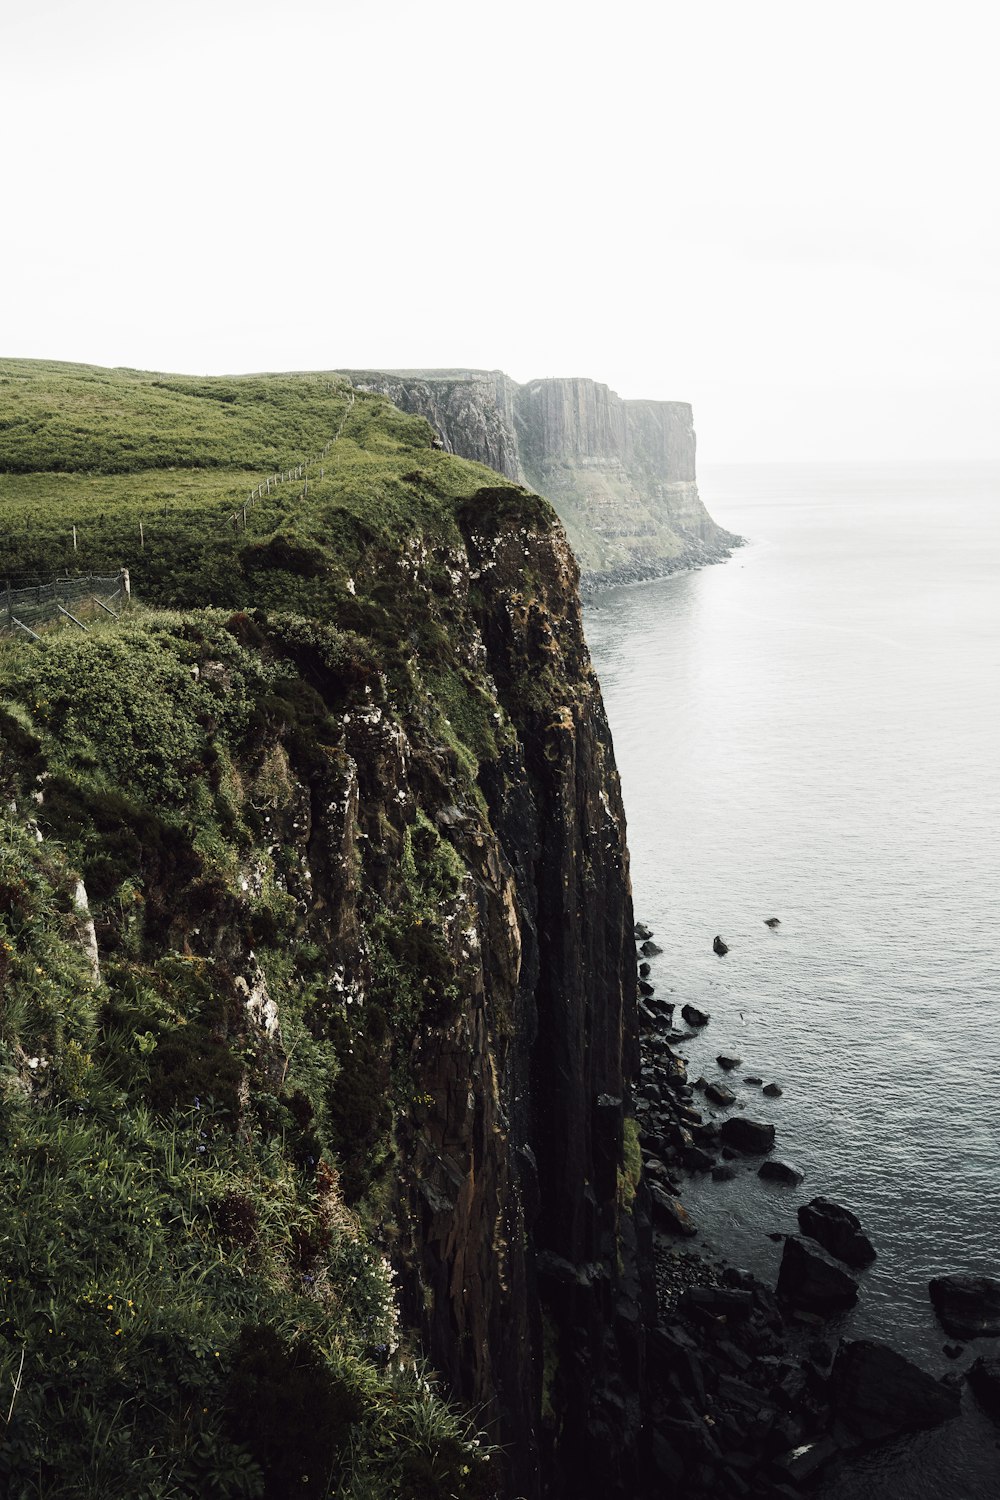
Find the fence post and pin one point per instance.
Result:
(10, 610)
(126, 583)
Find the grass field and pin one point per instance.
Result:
(149, 470)
(195, 1300)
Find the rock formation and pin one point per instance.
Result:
(620, 474)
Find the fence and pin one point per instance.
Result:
(298, 471)
(24, 611)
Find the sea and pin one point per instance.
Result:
(811, 731)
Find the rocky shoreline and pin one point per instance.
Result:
(752, 1392)
(697, 555)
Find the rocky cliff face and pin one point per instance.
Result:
(621, 474)
(356, 862)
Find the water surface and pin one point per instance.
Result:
(812, 731)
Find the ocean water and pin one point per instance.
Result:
(812, 731)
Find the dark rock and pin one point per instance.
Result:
(837, 1230)
(751, 1137)
(724, 1172)
(771, 1090)
(772, 922)
(954, 1351)
(700, 1083)
(780, 1171)
(776, 1234)
(727, 1062)
(650, 949)
(645, 988)
(719, 1094)
(876, 1393)
(701, 1302)
(697, 1160)
(644, 969)
(984, 1379)
(695, 1017)
(642, 931)
(968, 1307)
(806, 1460)
(807, 1279)
(752, 1078)
(669, 1213)
(719, 947)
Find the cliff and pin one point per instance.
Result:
(318, 973)
(620, 474)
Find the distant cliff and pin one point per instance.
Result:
(621, 474)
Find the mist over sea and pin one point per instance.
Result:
(812, 731)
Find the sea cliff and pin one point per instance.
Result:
(318, 972)
(620, 474)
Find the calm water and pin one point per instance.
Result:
(812, 731)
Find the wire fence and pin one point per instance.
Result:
(238, 517)
(23, 612)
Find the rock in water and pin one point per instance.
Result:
(750, 1137)
(695, 1017)
(719, 1094)
(644, 970)
(877, 1393)
(968, 1307)
(719, 947)
(984, 1378)
(641, 930)
(837, 1230)
(669, 1213)
(772, 922)
(780, 1171)
(771, 1090)
(727, 1062)
(809, 1280)
(650, 949)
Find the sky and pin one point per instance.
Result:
(785, 213)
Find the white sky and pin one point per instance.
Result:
(783, 211)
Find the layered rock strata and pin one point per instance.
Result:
(621, 474)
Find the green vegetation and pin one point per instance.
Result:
(198, 1141)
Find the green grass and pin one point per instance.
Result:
(172, 1175)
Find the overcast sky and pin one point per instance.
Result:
(783, 211)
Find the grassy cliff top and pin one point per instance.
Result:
(110, 451)
(197, 1130)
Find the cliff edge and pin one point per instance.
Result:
(620, 474)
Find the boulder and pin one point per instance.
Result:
(984, 1379)
(809, 1280)
(650, 949)
(968, 1307)
(669, 1213)
(771, 1090)
(727, 1062)
(752, 1078)
(695, 1017)
(837, 1230)
(644, 970)
(751, 1137)
(719, 1094)
(704, 1303)
(645, 988)
(876, 1393)
(642, 931)
(696, 1159)
(719, 947)
(724, 1172)
(772, 922)
(780, 1171)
